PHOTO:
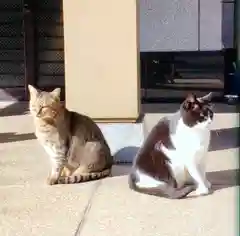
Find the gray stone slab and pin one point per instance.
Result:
(42, 210)
(116, 210)
(28, 205)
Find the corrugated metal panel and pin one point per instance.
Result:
(216, 24)
(186, 25)
(49, 23)
(168, 25)
(11, 44)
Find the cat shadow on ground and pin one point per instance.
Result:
(123, 160)
(222, 139)
(221, 179)
(14, 137)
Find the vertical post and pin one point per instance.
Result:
(237, 31)
(102, 59)
(29, 45)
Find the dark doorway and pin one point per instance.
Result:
(49, 44)
(169, 76)
(12, 80)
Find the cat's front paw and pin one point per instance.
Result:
(52, 180)
(202, 190)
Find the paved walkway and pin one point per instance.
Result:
(107, 207)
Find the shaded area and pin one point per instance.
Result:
(14, 109)
(171, 106)
(13, 137)
(121, 169)
(167, 77)
(12, 94)
(219, 179)
(123, 160)
(228, 24)
(125, 155)
(222, 139)
(223, 178)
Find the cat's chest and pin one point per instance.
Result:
(52, 142)
(186, 138)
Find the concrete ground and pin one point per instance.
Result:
(107, 207)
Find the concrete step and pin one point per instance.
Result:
(125, 139)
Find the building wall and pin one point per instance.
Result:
(186, 25)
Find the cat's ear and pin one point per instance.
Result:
(56, 92)
(191, 97)
(33, 91)
(206, 98)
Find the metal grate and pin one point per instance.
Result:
(46, 18)
(56, 31)
(11, 55)
(11, 5)
(51, 68)
(50, 5)
(49, 27)
(51, 56)
(11, 44)
(50, 43)
(11, 68)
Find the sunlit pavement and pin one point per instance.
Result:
(28, 206)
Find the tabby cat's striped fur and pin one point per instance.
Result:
(75, 144)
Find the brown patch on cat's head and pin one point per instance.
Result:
(196, 110)
(45, 105)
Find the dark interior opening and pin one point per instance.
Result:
(170, 76)
(31, 47)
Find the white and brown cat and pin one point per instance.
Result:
(74, 143)
(174, 153)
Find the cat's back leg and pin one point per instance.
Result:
(143, 183)
(95, 149)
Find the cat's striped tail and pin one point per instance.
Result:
(84, 177)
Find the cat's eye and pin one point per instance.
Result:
(187, 105)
